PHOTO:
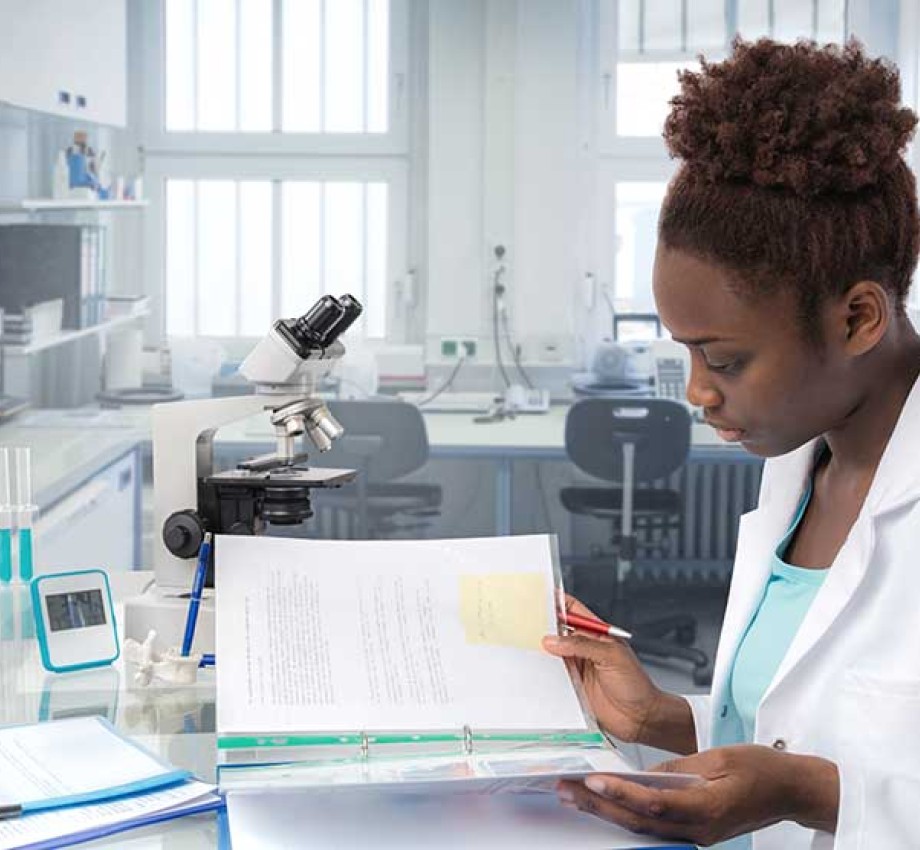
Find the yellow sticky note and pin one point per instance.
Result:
(505, 609)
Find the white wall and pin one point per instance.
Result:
(506, 166)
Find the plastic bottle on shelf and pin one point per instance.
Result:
(61, 178)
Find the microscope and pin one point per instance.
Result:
(191, 498)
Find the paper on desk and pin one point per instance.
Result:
(51, 828)
(404, 822)
(331, 636)
(73, 759)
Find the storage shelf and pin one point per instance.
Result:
(14, 350)
(65, 205)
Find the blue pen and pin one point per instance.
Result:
(194, 602)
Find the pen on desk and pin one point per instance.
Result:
(10, 810)
(194, 602)
(598, 627)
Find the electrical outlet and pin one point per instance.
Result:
(468, 347)
(550, 349)
(450, 349)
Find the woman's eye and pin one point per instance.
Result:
(726, 367)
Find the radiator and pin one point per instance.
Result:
(716, 492)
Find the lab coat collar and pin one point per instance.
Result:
(897, 480)
(896, 483)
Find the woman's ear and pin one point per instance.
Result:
(865, 313)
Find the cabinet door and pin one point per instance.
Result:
(65, 58)
(95, 526)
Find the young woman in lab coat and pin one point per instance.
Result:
(787, 243)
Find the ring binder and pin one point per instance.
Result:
(467, 740)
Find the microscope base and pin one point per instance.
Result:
(166, 612)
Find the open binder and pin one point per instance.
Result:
(405, 664)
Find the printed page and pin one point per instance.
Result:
(351, 636)
(58, 824)
(70, 757)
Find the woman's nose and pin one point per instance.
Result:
(700, 390)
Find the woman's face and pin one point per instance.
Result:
(756, 377)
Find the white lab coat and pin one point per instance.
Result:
(849, 687)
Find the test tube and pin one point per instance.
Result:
(6, 519)
(25, 511)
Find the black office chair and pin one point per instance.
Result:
(633, 442)
(385, 440)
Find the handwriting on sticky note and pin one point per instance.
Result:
(505, 609)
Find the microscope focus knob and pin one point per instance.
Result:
(183, 533)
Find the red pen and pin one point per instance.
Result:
(598, 627)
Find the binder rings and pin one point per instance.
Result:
(404, 664)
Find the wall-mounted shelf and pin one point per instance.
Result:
(53, 340)
(31, 205)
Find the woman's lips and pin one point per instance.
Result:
(730, 435)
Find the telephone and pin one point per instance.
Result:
(671, 367)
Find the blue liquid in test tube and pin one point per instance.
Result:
(25, 512)
(6, 520)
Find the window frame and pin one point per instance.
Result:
(275, 156)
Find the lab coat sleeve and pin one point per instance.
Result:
(701, 706)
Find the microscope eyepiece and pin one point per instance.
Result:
(351, 309)
(322, 324)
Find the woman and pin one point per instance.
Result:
(787, 242)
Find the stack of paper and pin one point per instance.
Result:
(71, 780)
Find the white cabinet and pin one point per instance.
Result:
(97, 525)
(65, 58)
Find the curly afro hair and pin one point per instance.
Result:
(793, 172)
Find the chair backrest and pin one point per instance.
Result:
(596, 429)
(383, 439)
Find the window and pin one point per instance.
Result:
(222, 254)
(642, 44)
(656, 38)
(220, 73)
(276, 156)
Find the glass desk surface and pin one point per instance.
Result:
(176, 722)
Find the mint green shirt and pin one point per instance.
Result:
(786, 600)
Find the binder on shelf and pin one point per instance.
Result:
(401, 664)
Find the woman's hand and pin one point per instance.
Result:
(745, 788)
(625, 700)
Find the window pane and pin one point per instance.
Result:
(375, 295)
(831, 21)
(343, 231)
(628, 25)
(256, 228)
(343, 77)
(662, 25)
(706, 25)
(753, 18)
(256, 66)
(793, 19)
(644, 90)
(301, 240)
(180, 257)
(378, 65)
(216, 66)
(637, 206)
(301, 52)
(180, 65)
(217, 261)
